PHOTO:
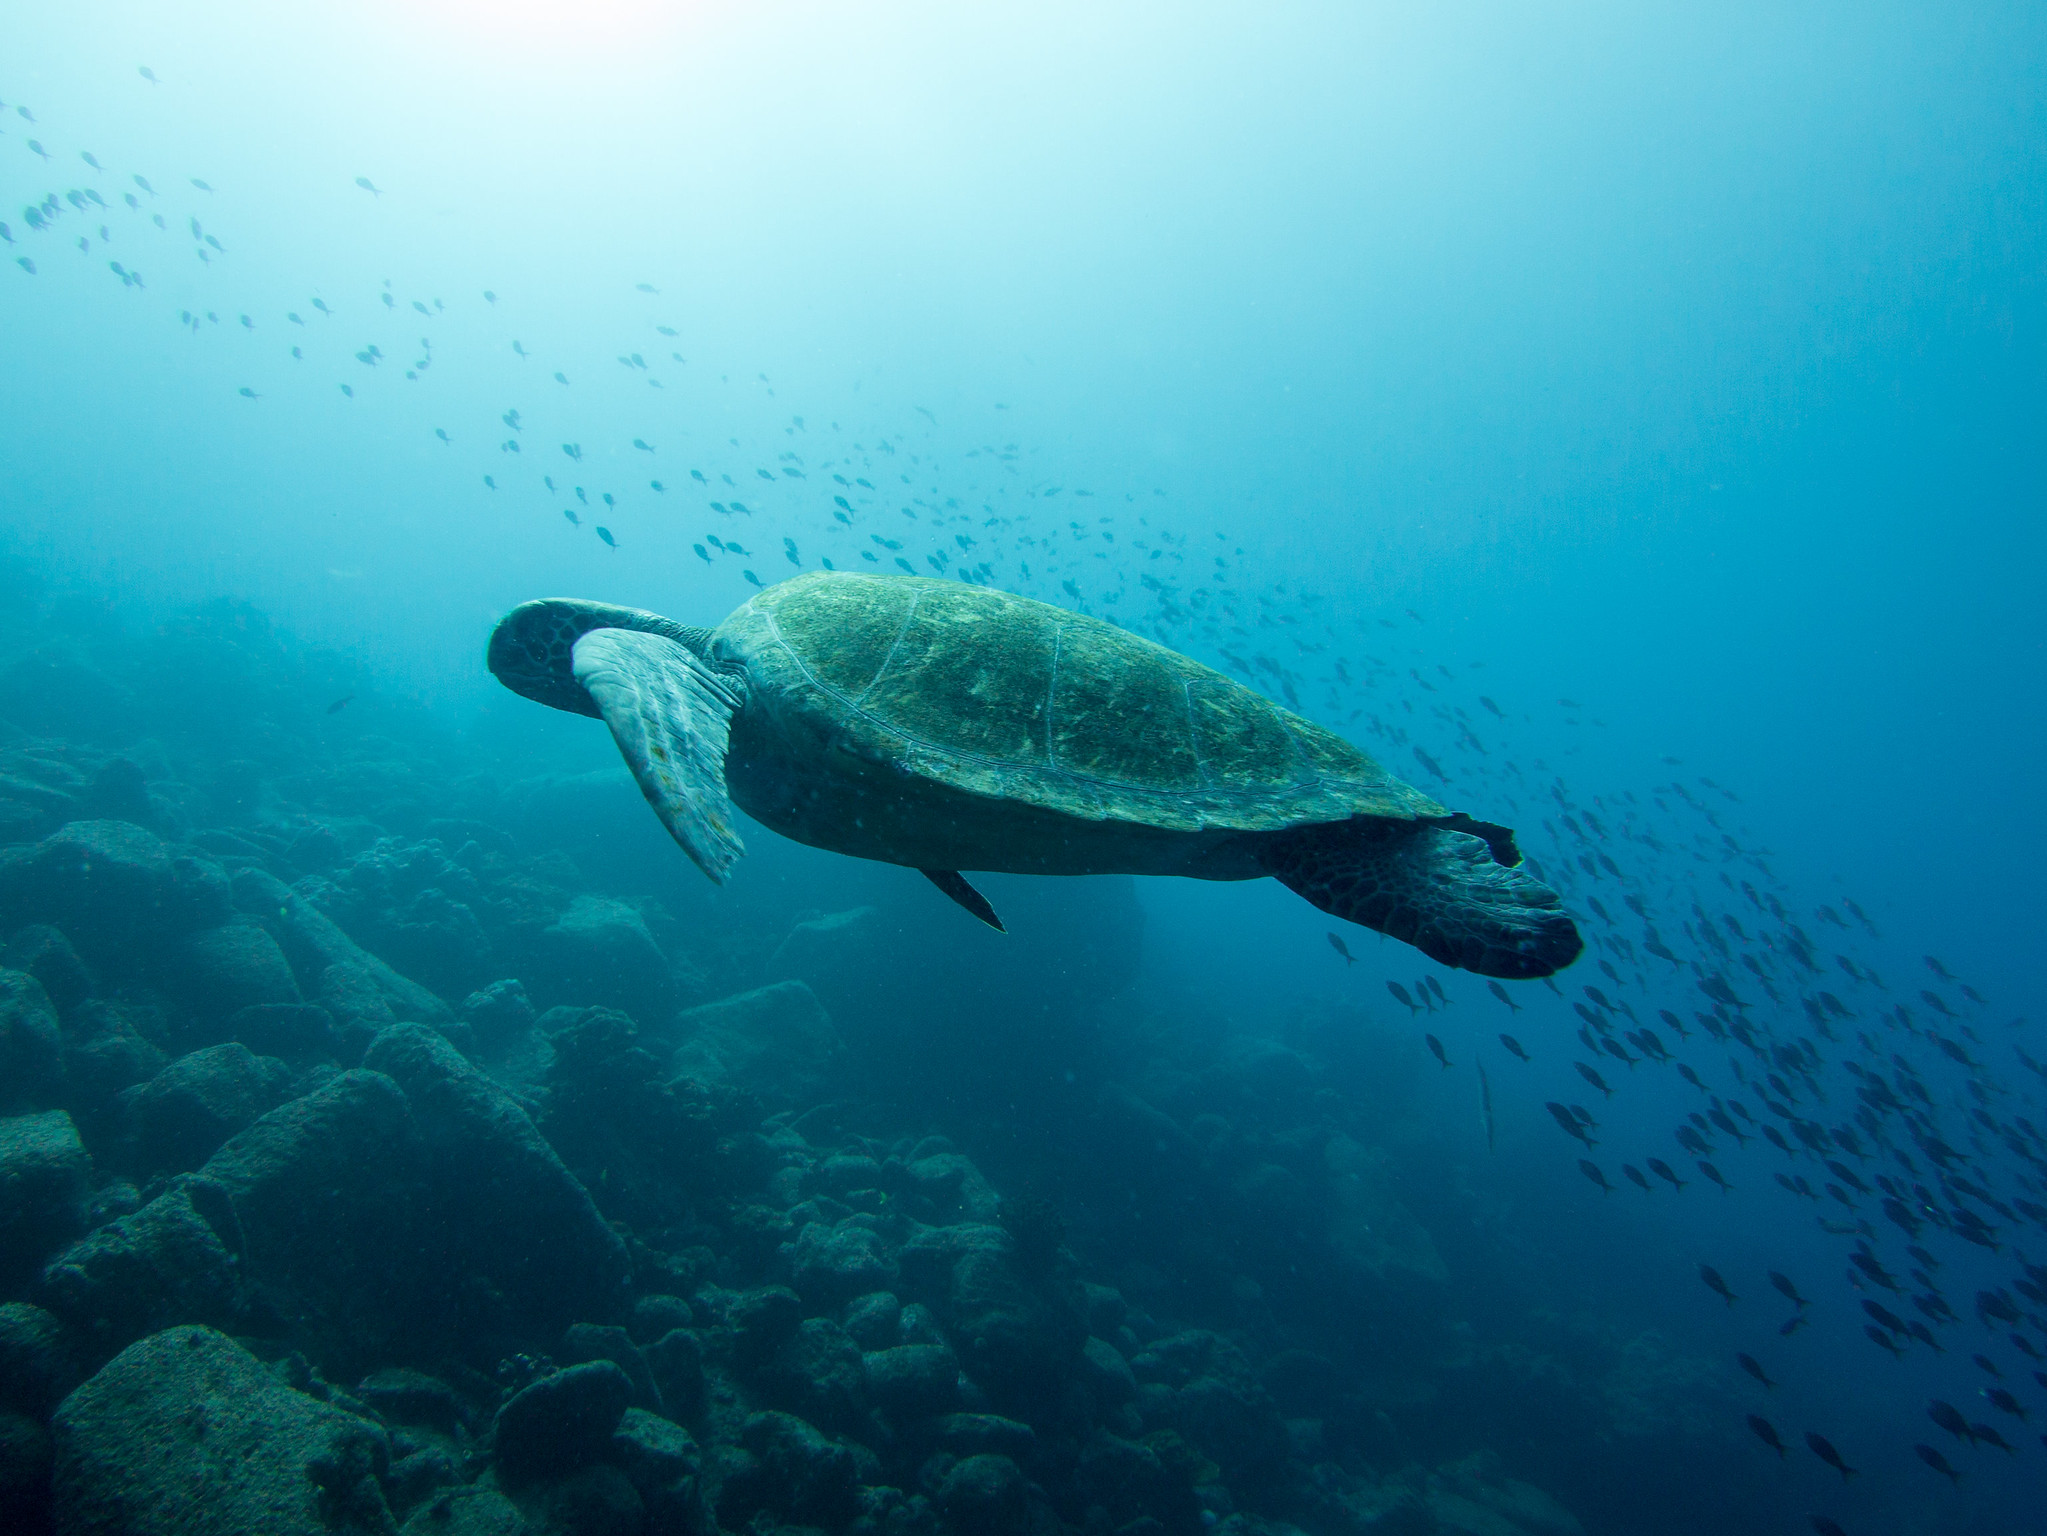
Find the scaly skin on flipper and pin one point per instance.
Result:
(1431, 887)
(671, 716)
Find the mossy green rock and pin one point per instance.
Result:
(185, 1432)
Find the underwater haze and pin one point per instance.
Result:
(1623, 423)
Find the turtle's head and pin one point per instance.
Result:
(532, 651)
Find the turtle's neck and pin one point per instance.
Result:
(697, 639)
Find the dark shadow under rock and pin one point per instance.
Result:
(560, 1422)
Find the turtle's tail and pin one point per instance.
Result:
(532, 650)
(1447, 887)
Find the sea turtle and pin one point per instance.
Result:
(947, 726)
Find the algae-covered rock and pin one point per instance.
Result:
(510, 1209)
(31, 1051)
(118, 891)
(791, 1469)
(776, 1041)
(600, 951)
(177, 1119)
(175, 1260)
(45, 1177)
(185, 1432)
(831, 1265)
(312, 942)
(44, 953)
(986, 1494)
(561, 1421)
(912, 1381)
(236, 965)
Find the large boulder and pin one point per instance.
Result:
(185, 1432)
(986, 1495)
(47, 955)
(600, 951)
(561, 1421)
(791, 1469)
(511, 1212)
(45, 1179)
(776, 1041)
(1018, 1336)
(179, 1118)
(31, 1051)
(313, 942)
(117, 890)
(819, 948)
(912, 1381)
(104, 1053)
(175, 1260)
(830, 1266)
(237, 965)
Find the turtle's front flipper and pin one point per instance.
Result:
(1437, 889)
(670, 715)
(954, 884)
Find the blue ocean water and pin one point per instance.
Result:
(1625, 424)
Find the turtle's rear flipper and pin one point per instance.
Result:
(1430, 886)
(954, 884)
(671, 716)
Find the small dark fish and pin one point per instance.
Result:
(1636, 1177)
(1884, 1316)
(1400, 996)
(643, 445)
(368, 186)
(1593, 1078)
(201, 185)
(570, 514)
(1938, 1462)
(1823, 1448)
(1436, 1049)
(1983, 1434)
(340, 704)
(605, 534)
(1714, 1175)
(2004, 1402)
(1502, 994)
(1716, 1284)
(1513, 1047)
(1662, 1170)
(1591, 1171)
(1822, 1526)
(1795, 1322)
(1949, 1418)
(1766, 1432)
(1567, 1122)
(1336, 943)
(1748, 1363)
